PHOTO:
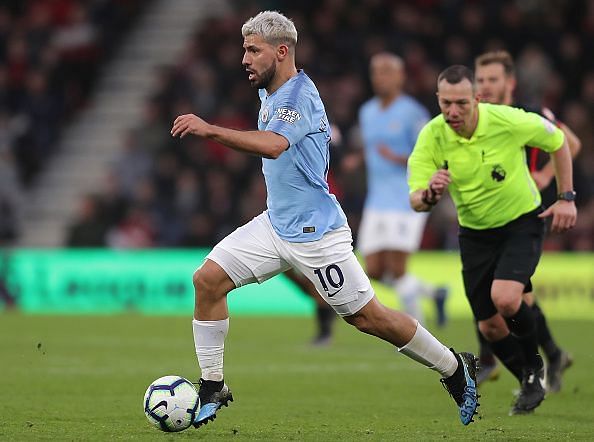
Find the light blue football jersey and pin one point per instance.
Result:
(397, 128)
(300, 205)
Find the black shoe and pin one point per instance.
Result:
(532, 392)
(555, 369)
(462, 386)
(321, 341)
(213, 395)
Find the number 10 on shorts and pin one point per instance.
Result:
(330, 276)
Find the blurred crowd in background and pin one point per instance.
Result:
(51, 52)
(162, 192)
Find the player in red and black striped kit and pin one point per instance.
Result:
(495, 80)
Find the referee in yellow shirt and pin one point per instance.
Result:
(476, 151)
(495, 80)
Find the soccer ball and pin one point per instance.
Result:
(170, 403)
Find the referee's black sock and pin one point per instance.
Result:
(523, 326)
(325, 315)
(510, 353)
(543, 334)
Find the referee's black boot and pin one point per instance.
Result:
(532, 392)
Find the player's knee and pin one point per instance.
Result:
(361, 321)
(398, 266)
(528, 299)
(506, 297)
(199, 281)
(488, 331)
(506, 305)
(374, 272)
(374, 267)
(398, 273)
(371, 319)
(205, 286)
(493, 329)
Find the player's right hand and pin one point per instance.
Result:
(189, 124)
(439, 182)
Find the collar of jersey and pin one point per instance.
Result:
(480, 131)
(300, 72)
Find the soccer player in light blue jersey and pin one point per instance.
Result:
(390, 230)
(303, 228)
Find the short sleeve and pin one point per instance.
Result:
(421, 164)
(291, 119)
(536, 131)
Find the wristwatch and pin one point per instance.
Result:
(567, 196)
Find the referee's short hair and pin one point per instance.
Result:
(455, 74)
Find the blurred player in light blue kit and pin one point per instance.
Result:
(390, 230)
(303, 228)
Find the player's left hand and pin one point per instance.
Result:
(564, 215)
(189, 124)
(542, 179)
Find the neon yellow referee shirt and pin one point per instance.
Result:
(491, 184)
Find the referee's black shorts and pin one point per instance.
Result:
(508, 252)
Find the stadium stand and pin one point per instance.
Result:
(89, 141)
(50, 55)
(166, 193)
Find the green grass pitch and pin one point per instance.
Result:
(83, 378)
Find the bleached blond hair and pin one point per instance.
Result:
(273, 27)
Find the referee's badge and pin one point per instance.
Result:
(265, 115)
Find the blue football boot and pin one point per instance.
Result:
(462, 386)
(213, 395)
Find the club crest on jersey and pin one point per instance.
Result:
(287, 115)
(265, 114)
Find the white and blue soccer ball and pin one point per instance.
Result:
(171, 403)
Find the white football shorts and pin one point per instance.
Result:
(255, 253)
(390, 230)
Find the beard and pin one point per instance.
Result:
(501, 97)
(264, 80)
